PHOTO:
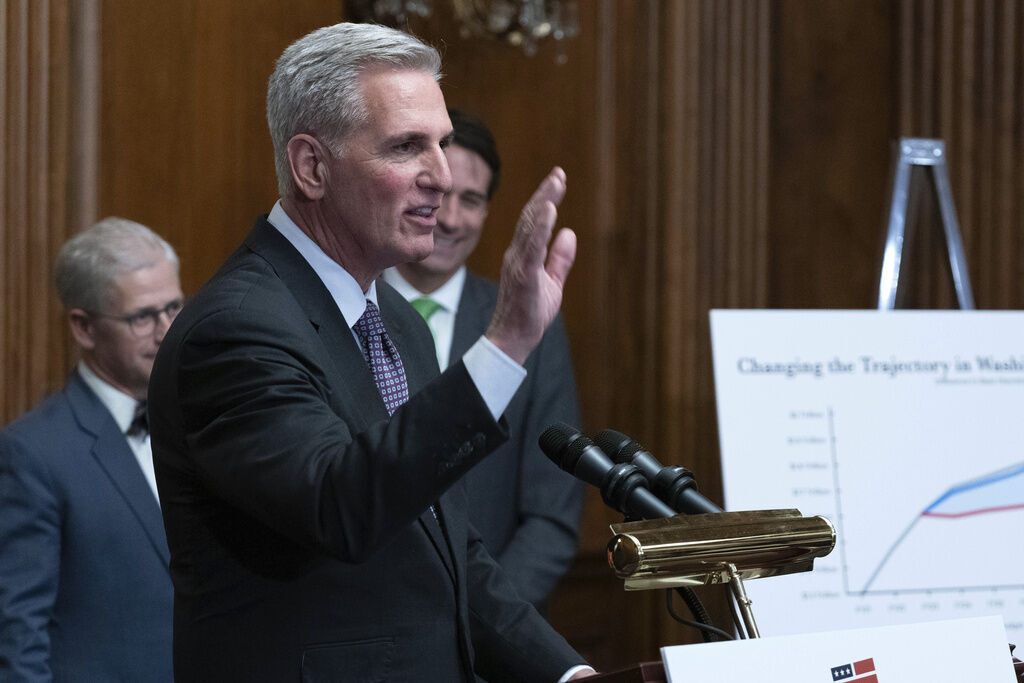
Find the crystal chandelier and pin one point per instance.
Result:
(521, 23)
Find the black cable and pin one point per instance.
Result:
(694, 604)
(707, 631)
(697, 610)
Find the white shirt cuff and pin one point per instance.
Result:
(496, 376)
(573, 671)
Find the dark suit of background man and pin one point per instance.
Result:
(85, 590)
(526, 509)
(317, 525)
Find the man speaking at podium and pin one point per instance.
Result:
(308, 454)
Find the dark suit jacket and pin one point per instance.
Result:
(302, 547)
(526, 509)
(85, 592)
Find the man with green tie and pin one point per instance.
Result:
(526, 509)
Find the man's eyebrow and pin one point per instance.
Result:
(416, 136)
(146, 310)
(473, 194)
(400, 138)
(406, 136)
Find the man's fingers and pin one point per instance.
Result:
(561, 255)
(559, 175)
(532, 274)
(545, 199)
(529, 244)
(551, 189)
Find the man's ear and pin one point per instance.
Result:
(307, 158)
(82, 329)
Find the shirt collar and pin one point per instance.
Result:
(447, 295)
(348, 296)
(120, 405)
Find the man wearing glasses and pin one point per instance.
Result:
(85, 590)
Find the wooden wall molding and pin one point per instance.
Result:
(688, 132)
(833, 109)
(83, 157)
(43, 132)
(960, 69)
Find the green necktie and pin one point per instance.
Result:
(425, 306)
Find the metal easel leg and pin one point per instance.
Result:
(930, 155)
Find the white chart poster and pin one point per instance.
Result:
(906, 429)
(947, 651)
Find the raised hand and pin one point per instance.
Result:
(532, 273)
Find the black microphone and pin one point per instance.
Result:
(674, 485)
(622, 485)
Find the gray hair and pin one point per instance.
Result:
(315, 86)
(90, 262)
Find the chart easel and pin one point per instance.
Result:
(921, 157)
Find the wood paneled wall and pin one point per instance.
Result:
(185, 144)
(720, 153)
(47, 141)
(832, 116)
(960, 72)
(660, 116)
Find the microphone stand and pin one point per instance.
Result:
(745, 627)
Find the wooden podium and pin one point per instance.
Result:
(644, 672)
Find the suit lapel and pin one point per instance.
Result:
(420, 363)
(341, 348)
(116, 459)
(476, 306)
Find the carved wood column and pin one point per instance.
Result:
(684, 124)
(48, 143)
(959, 75)
(680, 226)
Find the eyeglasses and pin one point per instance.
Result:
(143, 322)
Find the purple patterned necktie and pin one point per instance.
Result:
(382, 357)
(386, 365)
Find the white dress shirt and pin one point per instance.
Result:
(122, 409)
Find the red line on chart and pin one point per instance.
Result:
(982, 511)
